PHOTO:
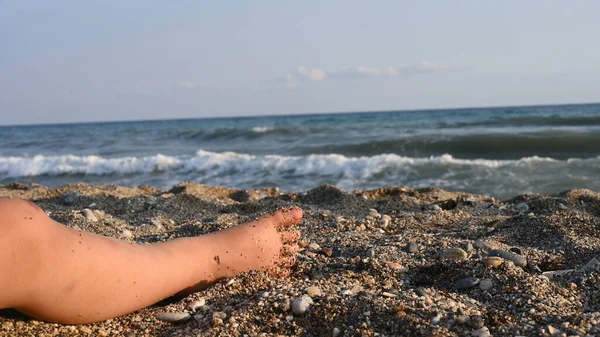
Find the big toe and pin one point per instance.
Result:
(286, 217)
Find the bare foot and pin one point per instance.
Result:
(266, 244)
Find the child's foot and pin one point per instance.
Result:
(267, 244)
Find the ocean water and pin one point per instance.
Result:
(501, 152)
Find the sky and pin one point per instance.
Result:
(78, 61)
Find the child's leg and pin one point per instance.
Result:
(55, 273)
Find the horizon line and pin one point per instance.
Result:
(296, 114)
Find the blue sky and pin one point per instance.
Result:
(72, 61)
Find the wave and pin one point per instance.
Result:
(233, 163)
(555, 144)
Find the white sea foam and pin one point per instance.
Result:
(262, 129)
(222, 162)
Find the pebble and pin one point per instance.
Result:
(485, 284)
(172, 317)
(517, 259)
(102, 333)
(194, 306)
(436, 319)
(373, 213)
(85, 329)
(289, 318)
(462, 319)
(127, 234)
(157, 224)
(492, 261)
(336, 332)
(412, 247)
(435, 208)
(313, 291)
(301, 305)
(385, 220)
(89, 215)
(552, 274)
(522, 207)
(327, 252)
(516, 250)
(466, 283)
(393, 265)
(70, 198)
(483, 245)
(453, 254)
(314, 246)
(481, 332)
(476, 322)
(468, 247)
(387, 294)
(553, 331)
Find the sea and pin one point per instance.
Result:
(500, 151)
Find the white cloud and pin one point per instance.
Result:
(302, 73)
(186, 84)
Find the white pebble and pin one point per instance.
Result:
(435, 320)
(314, 246)
(336, 332)
(373, 213)
(301, 305)
(127, 234)
(482, 332)
(89, 214)
(289, 318)
(313, 291)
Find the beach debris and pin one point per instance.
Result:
(516, 250)
(453, 254)
(466, 283)
(518, 260)
(492, 261)
(172, 317)
(89, 215)
(301, 305)
(522, 207)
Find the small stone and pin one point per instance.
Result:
(462, 319)
(468, 247)
(388, 294)
(434, 208)
(412, 247)
(373, 213)
(436, 319)
(172, 317)
(289, 318)
(127, 234)
(492, 261)
(516, 250)
(70, 198)
(483, 245)
(385, 221)
(393, 265)
(313, 291)
(327, 252)
(453, 254)
(157, 225)
(522, 207)
(194, 306)
(476, 322)
(347, 292)
(217, 321)
(518, 260)
(336, 332)
(301, 305)
(314, 246)
(265, 294)
(485, 284)
(481, 332)
(553, 331)
(89, 215)
(85, 329)
(466, 283)
(102, 333)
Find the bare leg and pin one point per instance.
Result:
(55, 273)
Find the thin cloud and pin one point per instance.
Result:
(186, 84)
(303, 74)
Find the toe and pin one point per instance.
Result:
(289, 236)
(289, 249)
(286, 217)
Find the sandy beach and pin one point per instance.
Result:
(393, 261)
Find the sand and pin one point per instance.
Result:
(380, 262)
